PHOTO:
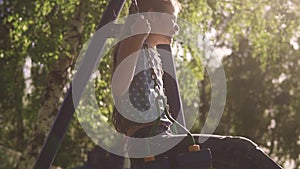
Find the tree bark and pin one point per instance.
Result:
(57, 79)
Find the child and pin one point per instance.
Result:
(136, 69)
(137, 81)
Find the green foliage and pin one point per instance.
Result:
(259, 105)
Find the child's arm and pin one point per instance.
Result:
(128, 53)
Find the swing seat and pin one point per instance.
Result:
(194, 160)
(162, 163)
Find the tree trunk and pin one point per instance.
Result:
(57, 79)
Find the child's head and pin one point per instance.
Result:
(164, 6)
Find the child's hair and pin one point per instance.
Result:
(121, 123)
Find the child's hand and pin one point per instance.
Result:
(141, 27)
